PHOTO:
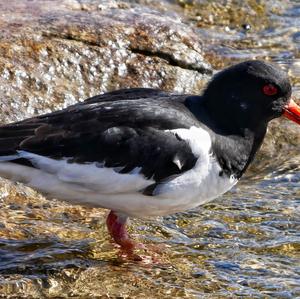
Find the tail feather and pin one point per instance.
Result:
(9, 158)
(12, 135)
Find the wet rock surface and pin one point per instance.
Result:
(54, 53)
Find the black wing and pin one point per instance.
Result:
(124, 129)
(129, 94)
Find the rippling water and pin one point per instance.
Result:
(245, 244)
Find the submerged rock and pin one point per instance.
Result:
(54, 53)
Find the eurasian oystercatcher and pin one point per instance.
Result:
(145, 152)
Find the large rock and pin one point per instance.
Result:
(54, 53)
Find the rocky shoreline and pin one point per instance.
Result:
(54, 53)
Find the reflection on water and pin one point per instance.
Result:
(246, 243)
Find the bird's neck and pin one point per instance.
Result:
(233, 146)
(234, 152)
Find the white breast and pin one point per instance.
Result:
(95, 185)
(200, 184)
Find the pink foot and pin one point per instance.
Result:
(116, 225)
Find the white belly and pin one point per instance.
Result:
(178, 195)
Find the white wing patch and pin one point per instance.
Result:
(89, 176)
(200, 143)
(197, 138)
(200, 184)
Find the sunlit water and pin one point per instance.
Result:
(245, 244)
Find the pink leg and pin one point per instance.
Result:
(116, 225)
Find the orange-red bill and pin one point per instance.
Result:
(292, 112)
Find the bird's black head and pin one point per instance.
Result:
(247, 95)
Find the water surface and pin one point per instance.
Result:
(244, 244)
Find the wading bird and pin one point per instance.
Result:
(146, 152)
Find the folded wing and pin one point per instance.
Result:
(125, 139)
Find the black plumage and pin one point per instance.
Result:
(124, 129)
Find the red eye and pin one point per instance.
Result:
(270, 90)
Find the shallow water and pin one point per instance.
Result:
(244, 244)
